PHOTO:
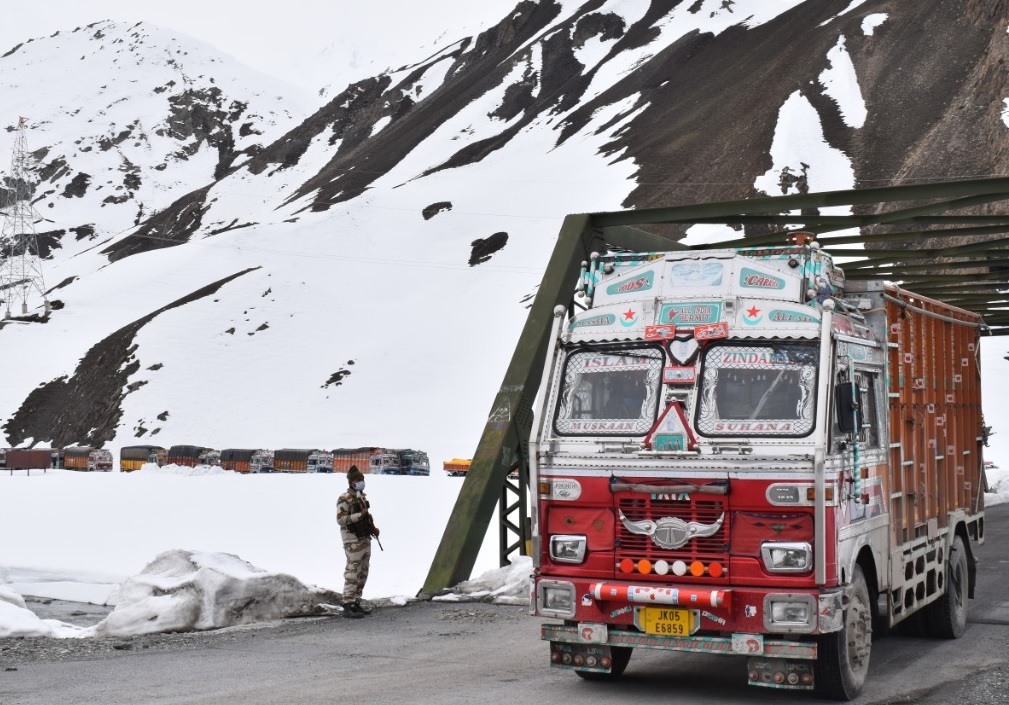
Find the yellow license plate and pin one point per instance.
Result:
(667, 621)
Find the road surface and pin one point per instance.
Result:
(464, 653)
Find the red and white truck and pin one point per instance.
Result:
(738, 452)
(88, 459)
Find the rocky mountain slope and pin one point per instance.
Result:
(233, 269)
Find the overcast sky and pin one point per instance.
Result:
(288, 39)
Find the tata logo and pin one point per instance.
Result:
(752, 279)
(642, 283)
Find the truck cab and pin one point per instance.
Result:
(723, 459)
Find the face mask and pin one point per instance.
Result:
(359, 485)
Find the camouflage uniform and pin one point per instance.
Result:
(356, 531)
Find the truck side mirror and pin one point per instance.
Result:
(849, 411)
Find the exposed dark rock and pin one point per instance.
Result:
(199, 116)
(54, 170)
(107, 143)
(48, 241)
(436, 208)
(65, 282)
(78, 186)
(170, 227)
(483, 249)
(336, 379)
(86, 407)
(352, 115)
(604, 26)
(84, 231)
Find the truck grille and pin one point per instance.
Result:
(705, 549)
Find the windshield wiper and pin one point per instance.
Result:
(765, 395)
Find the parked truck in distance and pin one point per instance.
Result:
(738, 452)
(87, 459)
(457, 467)
(343, 458)
(246, 460)
(191, 456)
(135, 457)
(399, 461)
(302, 460)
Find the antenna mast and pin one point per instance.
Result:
(21, 269)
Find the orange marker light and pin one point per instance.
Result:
(697, 569)
(644, 566)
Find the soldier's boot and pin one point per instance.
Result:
(351, 610)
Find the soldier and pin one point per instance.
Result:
(356, 528)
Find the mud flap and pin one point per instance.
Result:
(780, 673)
(594, 658)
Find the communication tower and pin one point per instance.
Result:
(21, 267)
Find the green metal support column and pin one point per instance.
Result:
(507, 429)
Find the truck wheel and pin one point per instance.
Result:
(843, 658)
(621, 655)
(947, 616)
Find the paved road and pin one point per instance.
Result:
(449, 653)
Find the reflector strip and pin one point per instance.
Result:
(641, 594)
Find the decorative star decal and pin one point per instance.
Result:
(629, 315)
(752, 312)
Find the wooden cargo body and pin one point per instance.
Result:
(87, 459)
(936, 428)
(302, 460)
(187, 455)
(237, 459)
(343, 458)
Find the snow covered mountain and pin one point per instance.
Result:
(228, 268)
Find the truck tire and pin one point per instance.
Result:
(947, 617)
(621, 656)
(843, 659)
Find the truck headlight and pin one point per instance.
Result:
(555, 599)
(787, 557)
(567, 549)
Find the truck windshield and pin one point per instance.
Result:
(758, 389)
(609, 392)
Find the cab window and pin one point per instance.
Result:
(609, 392)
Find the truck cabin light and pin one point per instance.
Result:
(828, 494)
(787, 557)
(565, 548)
(555, 598)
